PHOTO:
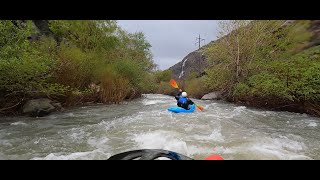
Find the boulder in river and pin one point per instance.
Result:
(212, 96)
(40, 107)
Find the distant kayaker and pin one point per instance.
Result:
(183, 100)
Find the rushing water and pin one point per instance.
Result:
(97, 132)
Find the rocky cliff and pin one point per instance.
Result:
(194, 62)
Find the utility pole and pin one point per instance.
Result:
(199, 39)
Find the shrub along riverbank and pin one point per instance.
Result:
(72, 62)
(266, 64)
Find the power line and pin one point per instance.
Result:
(199, 39)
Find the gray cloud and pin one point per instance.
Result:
(172, 40)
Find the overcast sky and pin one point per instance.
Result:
(172, 40)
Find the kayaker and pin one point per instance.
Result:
(183, 100)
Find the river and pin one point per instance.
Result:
(99, 131)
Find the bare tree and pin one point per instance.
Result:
(240, 42)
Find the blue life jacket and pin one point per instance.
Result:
(183, 100)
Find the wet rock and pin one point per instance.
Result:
(212, 96)
(40, 107)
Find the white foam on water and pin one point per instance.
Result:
(37, 141)
(2, 156)
(286, 148)
(231, 114)
(70, 115)
(293, 138)
(168, 141)
(279, 148)
(95, 154)
(188, 128)
(5, 143)
(77, 134)
(119, 121)
(274, 152)
(223, 150)
(238, 110)
(217, 116)
(53, 116)
(160, 140)
(156, 96)
(215, 136)
(100, 143)
(196, 150)
(300, 157)
(18, 123)
(151, 102)
(312, 124)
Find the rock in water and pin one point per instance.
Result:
(38, 107)
(212, 96)
(57, 106)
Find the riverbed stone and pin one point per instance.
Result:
(212, 96)
(39, 107)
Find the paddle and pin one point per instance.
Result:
(175, 85)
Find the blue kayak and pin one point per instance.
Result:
(182, 110)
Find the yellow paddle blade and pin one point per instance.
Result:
(174, 84)
(199, 107)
